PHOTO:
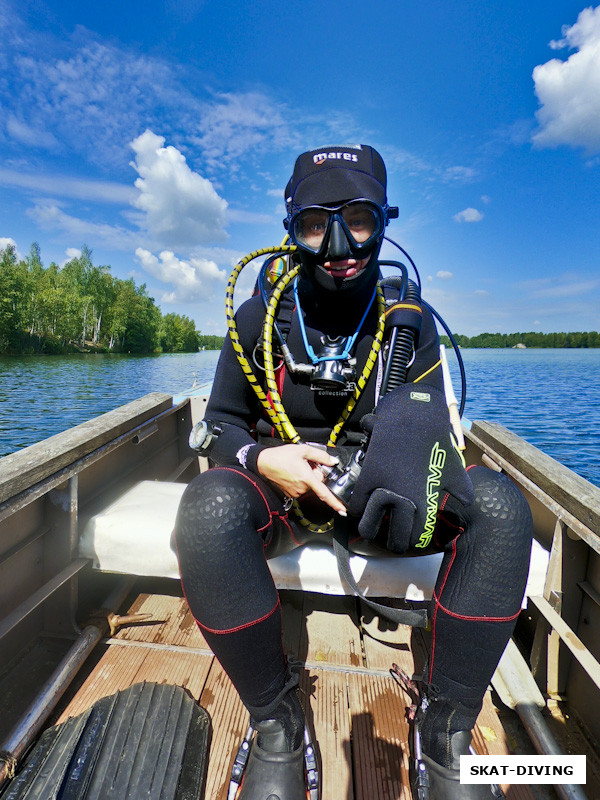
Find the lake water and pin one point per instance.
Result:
(549, 397)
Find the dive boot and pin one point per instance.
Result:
(444, 781)
(276, 760)
(442, 733)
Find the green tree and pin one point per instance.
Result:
(141, 333)
(178, 334)
(13, 279)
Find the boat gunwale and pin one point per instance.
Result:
(67, 450)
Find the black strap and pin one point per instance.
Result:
(416, 618)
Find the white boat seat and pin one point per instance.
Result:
(132, 536)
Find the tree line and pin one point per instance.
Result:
(531, 339)
(82, 307)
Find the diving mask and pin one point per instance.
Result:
(360, 222)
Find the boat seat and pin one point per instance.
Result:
(132, 536)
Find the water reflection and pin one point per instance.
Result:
(41, 396)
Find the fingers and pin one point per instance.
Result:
(317, 455)
(293, 469)
(328, 497)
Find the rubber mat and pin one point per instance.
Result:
(150, 741)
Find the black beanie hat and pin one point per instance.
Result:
(336, 174)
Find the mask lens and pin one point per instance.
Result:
(362, 221)
(309, 228)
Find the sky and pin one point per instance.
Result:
(161, 134)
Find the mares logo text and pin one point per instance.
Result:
(434, 479)
(321, 158)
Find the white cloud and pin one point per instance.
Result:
(569, 91)
(571, 288)
(50, 216)
(468, 215)
(71, 253)
(481, 293)
(180, 207)
(30, 135)
(485, 198)
(444, 275)
(6, 241)
(193, 280)
(234, 125)
(93, 98)
(460, 174)
(64, 186)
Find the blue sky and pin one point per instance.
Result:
(161, 134)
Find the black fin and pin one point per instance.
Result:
(149, 741)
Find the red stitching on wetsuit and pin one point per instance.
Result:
(286, 522)
(447, 521)
(444, 501)
(240, 627)
(436, 606)
(473, 619)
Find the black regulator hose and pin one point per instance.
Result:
(402, 342)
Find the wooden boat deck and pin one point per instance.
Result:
(354, 708)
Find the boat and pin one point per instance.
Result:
(93, 622)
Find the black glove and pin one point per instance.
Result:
(410, 464)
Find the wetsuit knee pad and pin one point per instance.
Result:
(491, 555)
(500, 505)
(218, 508)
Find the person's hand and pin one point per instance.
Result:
(294, 468)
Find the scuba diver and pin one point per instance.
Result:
(330, 405)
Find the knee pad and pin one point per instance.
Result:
(501, 507)
(491, 556)
(217, 508)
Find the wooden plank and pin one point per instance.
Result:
(394, 644)
(121, 667)
(115, 671)
(189, 671)
(379, 732)
(23, 469)
(229, 724)
(331, 634)
(324, 698)
(573, 642)
(578, 496)
(171, 622)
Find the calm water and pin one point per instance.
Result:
(550, 397)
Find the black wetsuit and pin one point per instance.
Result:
(230, 518)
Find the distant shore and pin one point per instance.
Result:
(532, 339)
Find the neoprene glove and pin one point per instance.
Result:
(410, 464)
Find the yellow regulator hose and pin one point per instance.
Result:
(274, 408)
